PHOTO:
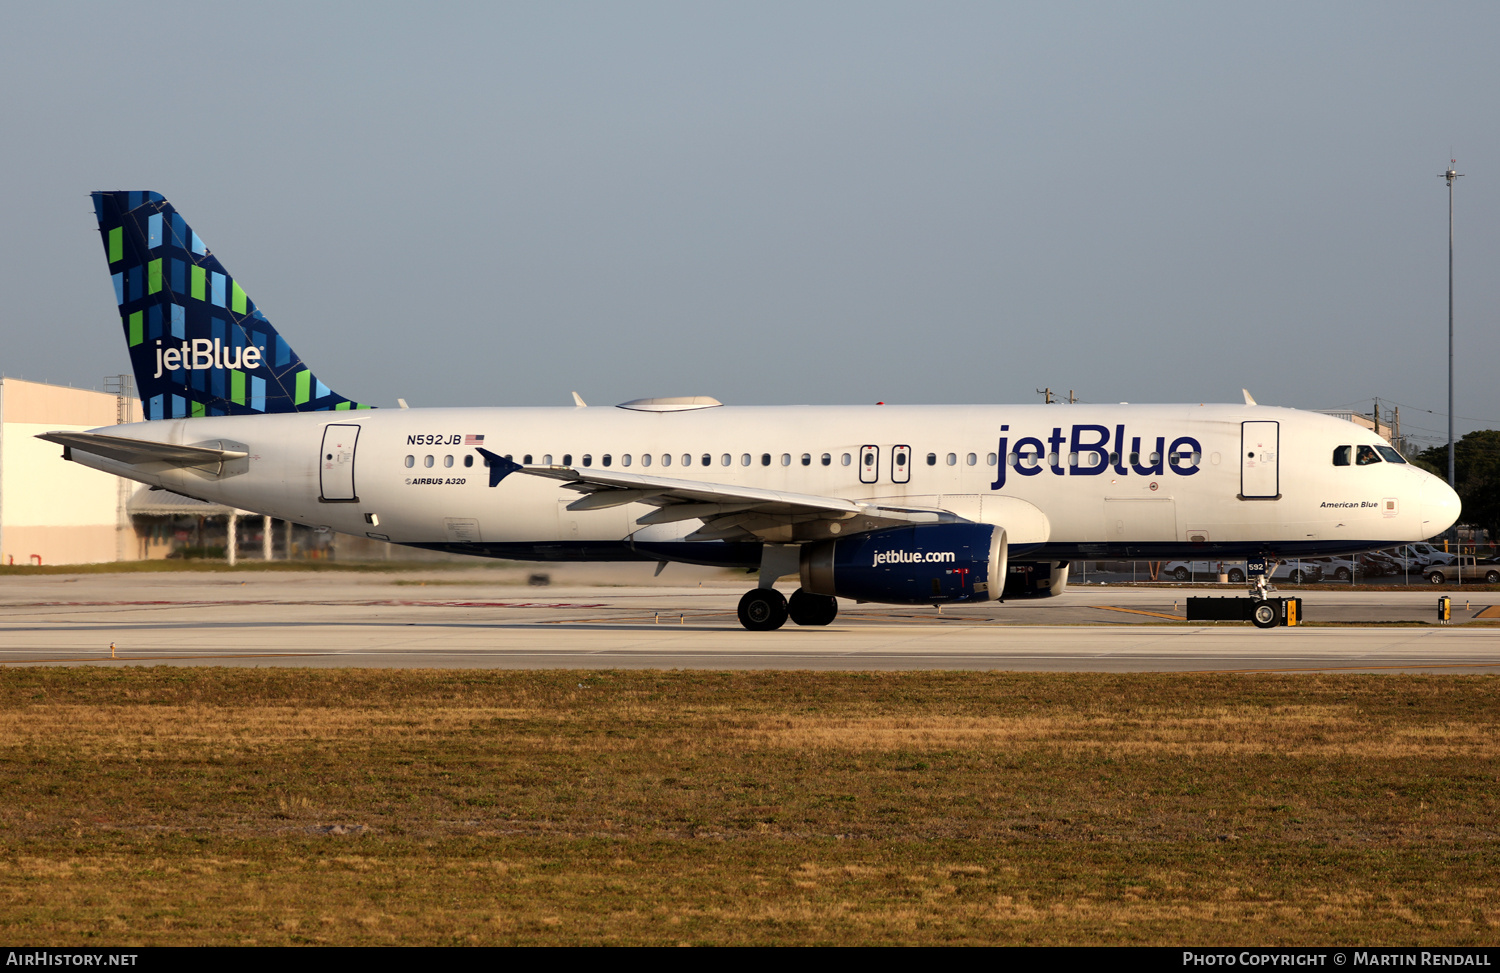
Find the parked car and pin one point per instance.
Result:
(1204, 570)
(1343, 568)
(1430, 554)
(1297, 571)
(1468, 568)
(1293, 572)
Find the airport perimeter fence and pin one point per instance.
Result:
(1363, 571)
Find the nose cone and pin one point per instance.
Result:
(1438, 507)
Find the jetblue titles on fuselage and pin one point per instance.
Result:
(1093, 449)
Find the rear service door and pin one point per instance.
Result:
(336, 464)
(1260, 444)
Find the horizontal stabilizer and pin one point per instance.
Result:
(138, 451)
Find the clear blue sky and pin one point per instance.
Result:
(776, 203)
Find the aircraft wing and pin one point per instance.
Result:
(137, 452)
(728, 511)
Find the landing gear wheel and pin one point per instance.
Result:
(763, 610)
(810, 609)
(1264, 615)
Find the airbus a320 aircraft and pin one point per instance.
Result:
(896, 504)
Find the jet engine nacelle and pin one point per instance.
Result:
(924, 564)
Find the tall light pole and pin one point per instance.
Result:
(1450, 175)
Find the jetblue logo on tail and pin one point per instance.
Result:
(201, 353)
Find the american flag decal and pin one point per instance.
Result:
(473, 440)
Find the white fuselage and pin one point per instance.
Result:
(1089, 469)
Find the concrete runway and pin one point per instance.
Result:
(486, 619)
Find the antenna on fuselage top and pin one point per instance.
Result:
(578, 401)
(1249, 399)
(402, 403)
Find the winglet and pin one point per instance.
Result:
(1249, 399)
(500, 467)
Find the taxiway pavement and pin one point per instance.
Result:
(480, 619)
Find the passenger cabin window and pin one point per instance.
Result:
(645, 459)
(765, 459)
(990, 459)
(845, 460)
(786, 459)
(952, 459)
(567, 459)
(427, 461)
(525, 460)
(469, 460)
(708, 460)
(1366, 456)
(448, 461)
(588, 460)
(666, 459)
(411, 461)
(606, 459)
(932, 459)
(724, 460)
(1341, 455)
(971, 459)
(744, 459)
(827, 459)
(687, 460)
(625, 460)
(807, 459)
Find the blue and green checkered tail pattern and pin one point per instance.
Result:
(198, 344)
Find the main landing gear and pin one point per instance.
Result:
(765, 609)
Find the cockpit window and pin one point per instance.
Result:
(1341, 455)
(1366, 455)
(1391, 456)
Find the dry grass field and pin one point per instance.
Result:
(229, 806)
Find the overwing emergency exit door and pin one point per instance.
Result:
(336, 464)
(1260, 464)
(901, 464)
(869, 464)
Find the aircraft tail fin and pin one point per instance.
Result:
(198, 344)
